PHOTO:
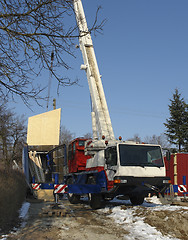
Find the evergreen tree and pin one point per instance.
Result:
(186, 129)
(177, 124)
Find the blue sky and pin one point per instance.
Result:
(142, 57)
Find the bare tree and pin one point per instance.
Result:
(29, 32)
(18, 138)
(66, 136)
(161, 140)
(136, 138)
(88, 135)
(12, 135)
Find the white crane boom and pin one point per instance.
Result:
(101, 122)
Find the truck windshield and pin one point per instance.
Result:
(140, 155)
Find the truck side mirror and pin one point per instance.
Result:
(168, 155)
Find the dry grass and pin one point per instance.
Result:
(12, 195)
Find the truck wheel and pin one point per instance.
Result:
(73, 198)
(137, 200)
(95, 200)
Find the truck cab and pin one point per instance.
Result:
(137, 169)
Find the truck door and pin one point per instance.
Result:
(111, 162)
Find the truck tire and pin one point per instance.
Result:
(73, 198)
(95, 200)
(137, 200)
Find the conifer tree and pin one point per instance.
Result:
(177, 124)
(186, 129)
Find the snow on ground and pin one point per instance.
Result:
(23, 213)
(24, 210)
(136, 226)
(23, 217)
(134, 222)
(151, 220)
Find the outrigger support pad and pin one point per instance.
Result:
(164, 200)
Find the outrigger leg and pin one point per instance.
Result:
(161, 193)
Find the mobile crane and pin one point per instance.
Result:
(104, 167)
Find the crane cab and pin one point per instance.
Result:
(76, 157)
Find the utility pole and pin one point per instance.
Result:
(54, 103)
(50, 78)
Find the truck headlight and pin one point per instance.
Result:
(120, 181)
(166, 181)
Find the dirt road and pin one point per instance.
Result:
(82, 223)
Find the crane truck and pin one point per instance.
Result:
(104, 167)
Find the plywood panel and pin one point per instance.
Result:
(44, 129)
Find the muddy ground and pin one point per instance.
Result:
(81, 223)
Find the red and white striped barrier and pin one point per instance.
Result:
(182, 188)
(36, 186)
(59, 188)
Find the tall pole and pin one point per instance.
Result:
(50, 79)
(54, 103)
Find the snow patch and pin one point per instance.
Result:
(24, 210)
(4, 237)
(23, 216)
(23, 213)
(136, 226)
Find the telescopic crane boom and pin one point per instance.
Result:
(101, 122)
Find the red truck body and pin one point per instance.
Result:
(178, 163)
(76, 157)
